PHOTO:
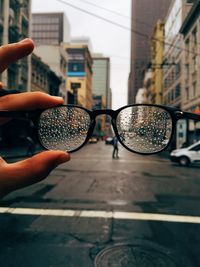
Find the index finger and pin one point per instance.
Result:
(29, 101)
(15, 51)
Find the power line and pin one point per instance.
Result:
(106, 9)
(126, 28)
(122, 15)
(125, 16)
(102, 18)
(116, 13)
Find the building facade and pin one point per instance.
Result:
(15, 21)
(191, 60)
(56, 57)
(145, 13)
(101, 90)
(190, 96)
(173, 72)
(157, 55)
(50, 28)
(79, 81)
(43, 78)
(49, 32)
(101, 77)
(173, 51)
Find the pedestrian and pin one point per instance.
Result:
(32, 170)
(115, 148)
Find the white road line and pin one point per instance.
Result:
(124, 160)
(102, 214)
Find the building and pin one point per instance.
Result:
(43, 78)
(56, 57)
(101, 89)
(99, 102)
(101, 77)
(82, 40)
(15, 20)
(157, 56)
(49, 32)
(145, 13)
(172, 71)
(79, 81)
(191, 60)
(148, 83)
(50, 28)
(190, 97)
(141, 96)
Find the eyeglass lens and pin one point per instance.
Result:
(63, 128)
(144, 129)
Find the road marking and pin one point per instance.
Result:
(120, 160)
(102, 214)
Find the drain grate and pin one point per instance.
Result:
(139, 255)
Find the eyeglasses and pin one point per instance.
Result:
(141, 128)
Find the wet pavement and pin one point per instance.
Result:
(96, 211)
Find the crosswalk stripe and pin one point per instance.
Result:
(118, 215)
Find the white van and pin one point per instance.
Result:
(187, 155)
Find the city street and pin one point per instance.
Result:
(98, 211)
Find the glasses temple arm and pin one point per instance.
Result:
(190, 116)
(16, 114)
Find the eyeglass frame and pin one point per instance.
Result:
(175, 113)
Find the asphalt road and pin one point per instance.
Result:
(98, 211)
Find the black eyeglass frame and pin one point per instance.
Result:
(175, 113)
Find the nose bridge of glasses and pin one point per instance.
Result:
(108, 112)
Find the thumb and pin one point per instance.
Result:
(31, 170)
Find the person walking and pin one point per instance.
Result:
(115, 148)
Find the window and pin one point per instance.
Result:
(194, 36)
(178, 69)
(187, 93)
(177, 91)
(187, 71)
(172, 95)
(194, 89)
(196, 148)
(76, 67)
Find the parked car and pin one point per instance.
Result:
(108, 140)
(93, 140)
(187, 155)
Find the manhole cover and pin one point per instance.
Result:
(138, 255)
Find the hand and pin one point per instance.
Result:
(23, 173)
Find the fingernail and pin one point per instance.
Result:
(63, 158)
(58, 98)
(26, 40)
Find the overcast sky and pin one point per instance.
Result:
(106, 38)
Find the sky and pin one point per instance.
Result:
(111, 40)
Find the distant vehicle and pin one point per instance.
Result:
(93, 140)
(187, 155)
(108, 140)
